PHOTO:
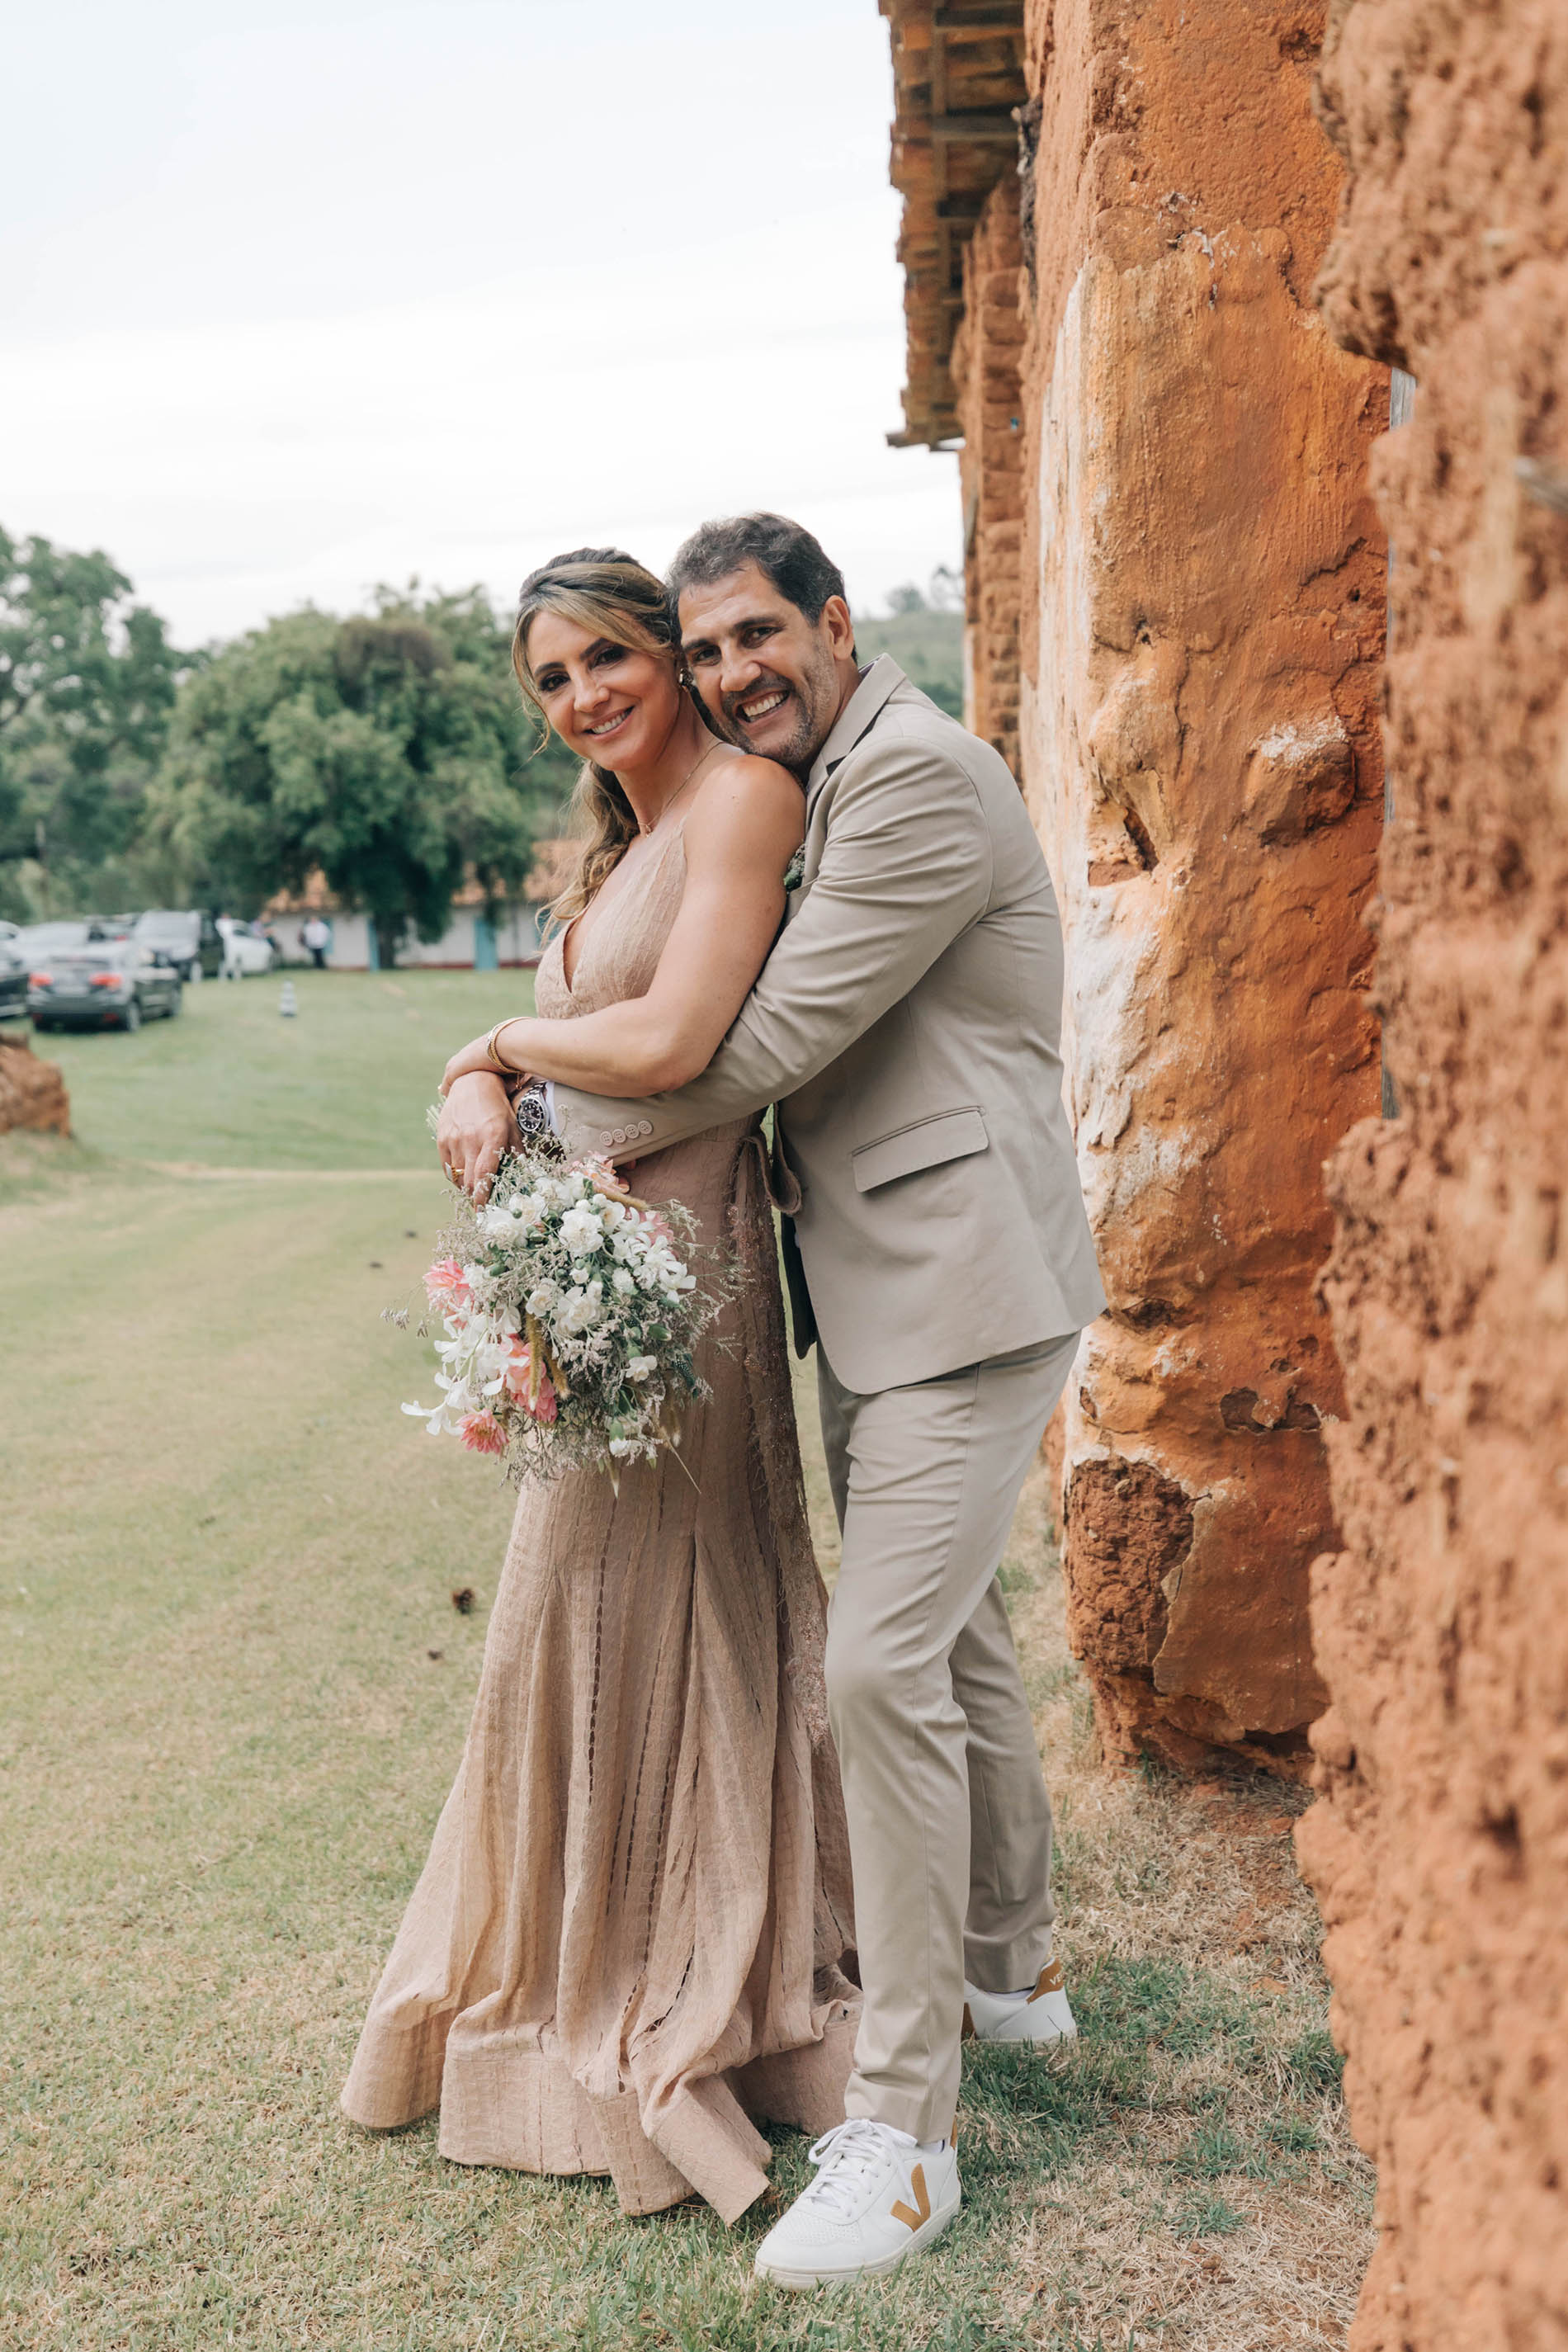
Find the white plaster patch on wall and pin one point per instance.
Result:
(1057, 780)
(1148, 1159)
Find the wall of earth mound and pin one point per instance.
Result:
(1114, 214)
(987, 352)
(1439, 1847)
(32, 1093)
(1200, 636)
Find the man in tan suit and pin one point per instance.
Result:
(906, 1027)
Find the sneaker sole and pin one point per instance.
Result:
(926, 2235)
(969, 2031)
(1037, 2041)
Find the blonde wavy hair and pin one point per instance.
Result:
(606, 591)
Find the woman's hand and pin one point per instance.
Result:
(475, 1127)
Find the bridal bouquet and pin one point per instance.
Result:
(567, 1320)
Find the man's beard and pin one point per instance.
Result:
(811, 722)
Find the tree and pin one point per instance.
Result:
(88, 684)
(391, 751)
(945, 591)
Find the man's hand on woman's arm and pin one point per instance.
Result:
(475, 1127)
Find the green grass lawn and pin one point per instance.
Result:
(233, 1691)
(231, 1084)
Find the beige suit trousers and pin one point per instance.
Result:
(950, 1825)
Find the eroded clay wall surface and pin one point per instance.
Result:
(1202, 636)
(32, 1093)
(1439, 1847)
(986, 359)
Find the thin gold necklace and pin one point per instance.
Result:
(687, 778)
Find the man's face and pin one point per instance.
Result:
(773, 681)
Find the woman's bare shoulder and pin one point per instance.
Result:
(744, 799)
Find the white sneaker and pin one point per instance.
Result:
(1042, 2015)
(879, 2195)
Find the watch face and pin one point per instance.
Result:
(531, 1113)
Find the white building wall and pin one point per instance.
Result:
(516, 941)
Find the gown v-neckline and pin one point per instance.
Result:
(654, 868)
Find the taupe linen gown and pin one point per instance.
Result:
(629, 1932)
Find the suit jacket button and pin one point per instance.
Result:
(605, 1137)
(644, 1127)
(619, 1136)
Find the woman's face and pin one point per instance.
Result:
(607, 702)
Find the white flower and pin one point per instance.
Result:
(624, 1282)
(582, 1231)
(544, 1297)
(580, 1310)
(639, 1369)
(434, 1416)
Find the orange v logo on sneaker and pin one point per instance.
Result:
(903, 2212)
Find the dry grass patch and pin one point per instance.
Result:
(1200, 2185)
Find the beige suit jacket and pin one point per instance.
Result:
(906, 1026)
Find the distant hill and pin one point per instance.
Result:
(928, 647)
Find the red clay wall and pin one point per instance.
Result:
(1439, 1848)
(1202, 632)
(32, 1093)
(986, 353)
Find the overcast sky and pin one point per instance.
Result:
(301, 295)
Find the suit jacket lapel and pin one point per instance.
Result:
(857, 715)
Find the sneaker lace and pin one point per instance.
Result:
(845, 2157)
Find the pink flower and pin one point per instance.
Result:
(446, 1284)
(519, 1364)
(481, 1433)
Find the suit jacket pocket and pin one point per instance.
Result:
(946, 1135)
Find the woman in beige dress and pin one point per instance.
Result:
(632, 1934)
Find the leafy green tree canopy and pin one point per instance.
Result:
(88, 684)
(389, 750)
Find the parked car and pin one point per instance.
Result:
(102, 984)
(36, 940)
(244, 950)
(189, 940)
(13, 979)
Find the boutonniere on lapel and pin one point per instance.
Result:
(794, 872)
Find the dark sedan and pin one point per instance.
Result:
(101, 984)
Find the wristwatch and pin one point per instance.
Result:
(532, 1112)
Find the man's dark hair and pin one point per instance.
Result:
(785, 552)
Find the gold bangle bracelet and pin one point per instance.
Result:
(493, 1058)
